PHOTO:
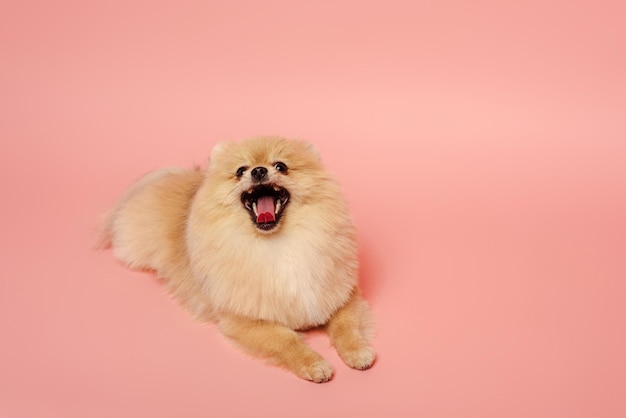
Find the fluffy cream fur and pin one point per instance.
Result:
(192, 229)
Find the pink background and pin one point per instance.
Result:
(482, 146)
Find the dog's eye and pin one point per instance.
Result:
(240, 171)
(280, 167)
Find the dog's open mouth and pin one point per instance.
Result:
(266, 204)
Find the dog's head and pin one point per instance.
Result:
(264, 179)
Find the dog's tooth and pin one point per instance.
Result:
(255, 209)
(276, 188)
(277, 206)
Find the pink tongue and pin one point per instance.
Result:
(265, 209)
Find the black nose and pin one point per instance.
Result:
(259, 173)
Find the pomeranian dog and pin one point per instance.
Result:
(260, 242)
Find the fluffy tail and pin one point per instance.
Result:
(104, 232)
(103, 236)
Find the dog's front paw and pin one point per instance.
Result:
(319, 371)
(361, 358)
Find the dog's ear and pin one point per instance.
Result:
(219, 149)
(311, 148)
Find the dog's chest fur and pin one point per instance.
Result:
(290, 281)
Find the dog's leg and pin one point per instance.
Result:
(350, 330)
(279, 344)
